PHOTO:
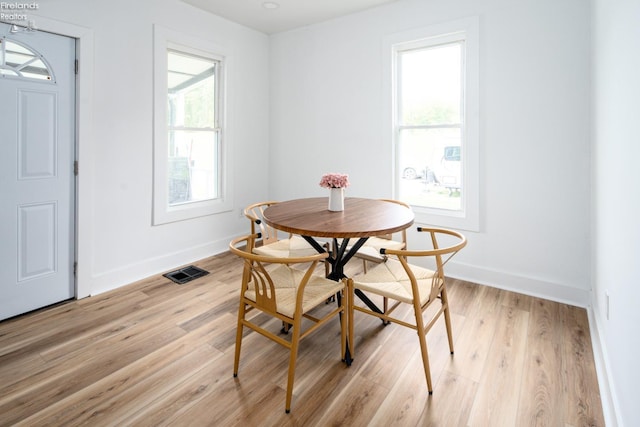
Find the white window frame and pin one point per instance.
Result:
(468, 217)
(165, 39)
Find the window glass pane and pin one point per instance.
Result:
(17, 55)
(20, 61)
(192, 88)
(430, 85)
(193, 166)
(430, 167)
(36, 70)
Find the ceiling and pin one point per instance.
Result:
(288, 15)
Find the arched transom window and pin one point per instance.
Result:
(18, 60)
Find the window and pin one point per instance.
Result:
(429, 125)
(434, 122)
(189, 154)
(194, 148)
(17, 60)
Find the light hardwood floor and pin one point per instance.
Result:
(157, 353)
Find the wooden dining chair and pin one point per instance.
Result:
(405, 283)
(271, 243)
(370, 251)
(272, 286)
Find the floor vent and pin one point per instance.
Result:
(186, 274)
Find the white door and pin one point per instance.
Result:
(37, 180)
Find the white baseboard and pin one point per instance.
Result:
(527, 285)
(113, 279)
(607, 391)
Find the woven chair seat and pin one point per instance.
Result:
(371, 248)
(293, 247)
(391, 280)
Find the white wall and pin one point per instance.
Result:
(327, 115)
(117, 239)
(616, 207)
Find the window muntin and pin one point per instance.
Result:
(193, 137)
(430, 125)
(17, 60)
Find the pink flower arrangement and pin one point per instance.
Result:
(334, 180)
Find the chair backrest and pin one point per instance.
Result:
(256, 274)
(441, 255)
(254, 213)
(403, 232)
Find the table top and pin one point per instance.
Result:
(360, 218)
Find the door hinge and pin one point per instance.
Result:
(75, 269)
(75, 167)
(76, 66)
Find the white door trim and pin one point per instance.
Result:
(85, 149)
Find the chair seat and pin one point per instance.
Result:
(293, 247)
(378, 243)
(286, 280)
(371, 248)
(390, 279)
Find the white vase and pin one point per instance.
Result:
(336, 199)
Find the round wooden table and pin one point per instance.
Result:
(361, 219)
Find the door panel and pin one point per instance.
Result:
(37, 240)
(37, 182)
(36, 134)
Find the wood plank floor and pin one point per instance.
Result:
(157, 353)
